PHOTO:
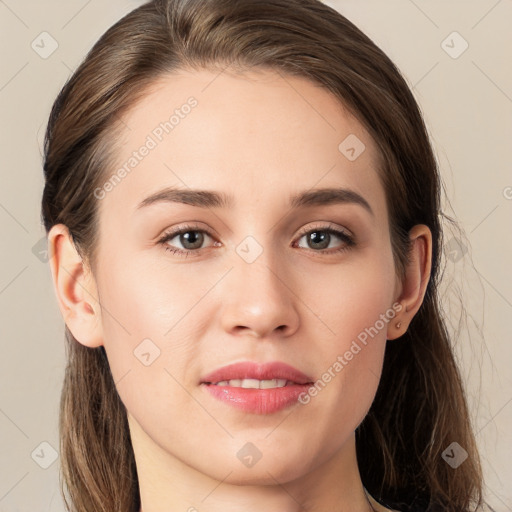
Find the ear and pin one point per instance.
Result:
(414, 284)
(75, 287)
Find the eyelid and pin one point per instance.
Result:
(305, 230)
(325, 227)
(194, 226)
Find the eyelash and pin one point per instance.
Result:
(347, 239)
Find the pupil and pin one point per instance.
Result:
(316, 239)
(187, 238)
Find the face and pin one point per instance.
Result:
(256, 278)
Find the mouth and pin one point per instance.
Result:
(252, 375)
(253, 383)
(257, 388)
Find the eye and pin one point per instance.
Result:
(190, 237)
(320, 237)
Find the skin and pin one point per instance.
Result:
(213, 308)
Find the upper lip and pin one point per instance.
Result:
(260, 371)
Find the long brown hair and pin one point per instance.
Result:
(420, 406)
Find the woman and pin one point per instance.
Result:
(242, 204)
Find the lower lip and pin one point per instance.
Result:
(258, 401)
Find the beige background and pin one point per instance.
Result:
(467, 102)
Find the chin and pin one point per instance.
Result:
(261, 472)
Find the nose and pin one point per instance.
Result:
(260, 299)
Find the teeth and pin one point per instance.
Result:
(253, 383)
(273, 383)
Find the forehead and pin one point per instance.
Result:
(256, 135)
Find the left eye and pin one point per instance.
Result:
(320, 238)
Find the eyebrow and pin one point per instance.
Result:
(211, 199)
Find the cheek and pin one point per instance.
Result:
(356, 310)
(351, 298)
(360, 328)
(145, 310)
(138, 314)
(141, 301)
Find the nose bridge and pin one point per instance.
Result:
(259, 294)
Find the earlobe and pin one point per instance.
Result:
(414, 284)
(75, 288)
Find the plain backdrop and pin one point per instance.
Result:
(456, 56)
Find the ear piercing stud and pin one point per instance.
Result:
(398, 325)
